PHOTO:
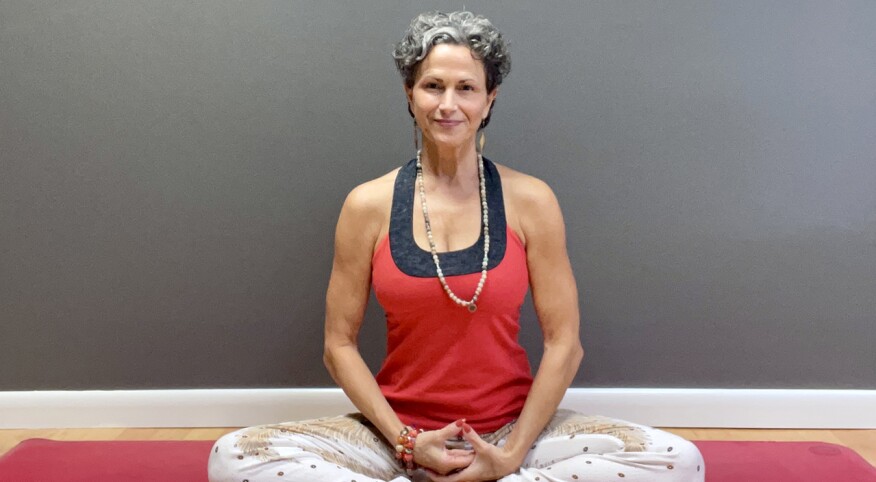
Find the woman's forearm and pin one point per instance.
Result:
(559, 363)
(348, 369)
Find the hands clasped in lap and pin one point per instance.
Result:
(483, 461)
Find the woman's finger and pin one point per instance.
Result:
(473, 438)
(436, 477)
(452, 429)
(459, 452)
(456, 463)
(461, 476)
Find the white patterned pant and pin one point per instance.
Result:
(572, 448)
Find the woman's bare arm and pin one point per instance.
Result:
(555, 295)
(346, 299)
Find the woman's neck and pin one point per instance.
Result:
(452, 165)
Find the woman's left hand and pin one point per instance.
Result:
(490, 462)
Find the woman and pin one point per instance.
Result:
(450, 242)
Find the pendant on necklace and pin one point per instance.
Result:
(472, 307)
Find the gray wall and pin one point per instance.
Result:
(171, 172)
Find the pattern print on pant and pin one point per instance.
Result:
(572, 448)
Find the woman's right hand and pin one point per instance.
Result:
(431, 452)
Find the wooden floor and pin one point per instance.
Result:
(861, 441)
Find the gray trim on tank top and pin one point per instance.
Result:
(415, 261)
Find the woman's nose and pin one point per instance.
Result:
(448, 100)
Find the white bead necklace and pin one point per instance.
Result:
(471, 305)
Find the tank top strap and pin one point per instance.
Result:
(415, 261)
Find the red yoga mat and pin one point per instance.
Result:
(40, 460)
(783, 461)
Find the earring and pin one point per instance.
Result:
(482, 139)
(416, 137)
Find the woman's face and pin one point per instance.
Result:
(449, 97)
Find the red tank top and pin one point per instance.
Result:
(444, 363)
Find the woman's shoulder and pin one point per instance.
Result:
(531, 205)
(368, 205)
(375, 194)
(522, 188)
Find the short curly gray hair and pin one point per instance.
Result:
(458, 28)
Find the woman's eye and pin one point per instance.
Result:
(432, 85)
(467, 87)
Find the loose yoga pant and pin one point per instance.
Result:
(572, 448)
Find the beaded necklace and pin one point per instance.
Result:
(472, 304)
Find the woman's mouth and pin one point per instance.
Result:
(448, 123)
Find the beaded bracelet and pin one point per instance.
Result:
(404, 449)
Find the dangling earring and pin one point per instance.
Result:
(416, 137)
(482, 138)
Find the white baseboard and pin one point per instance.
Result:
(739, 408)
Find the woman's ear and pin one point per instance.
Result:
(409, 93)
(491, 98)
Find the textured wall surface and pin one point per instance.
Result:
(171, 173)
